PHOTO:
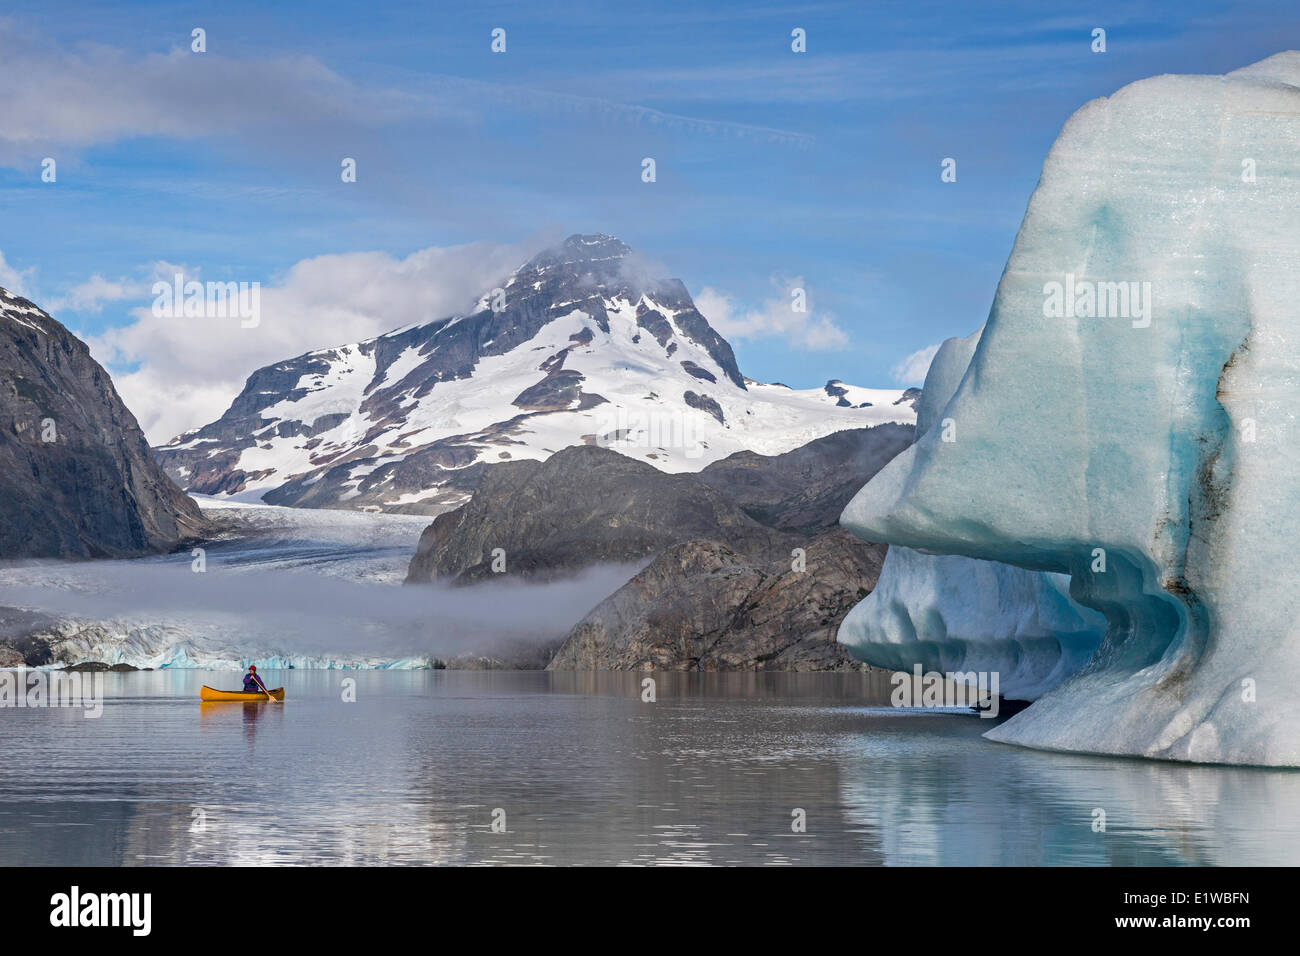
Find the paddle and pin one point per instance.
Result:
(263, 686)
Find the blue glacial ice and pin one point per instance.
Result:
(950, 613)
(1130, 417)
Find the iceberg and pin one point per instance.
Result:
(953, 614)
(1129, 418)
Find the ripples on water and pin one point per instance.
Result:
(587, 773)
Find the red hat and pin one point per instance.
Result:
(252, 667)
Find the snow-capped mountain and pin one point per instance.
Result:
(576, 347)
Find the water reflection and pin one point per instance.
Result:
(577, 768)
(220, 716)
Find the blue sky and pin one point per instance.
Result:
(774, 168)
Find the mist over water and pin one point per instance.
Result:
(315, 614)
(328, 591)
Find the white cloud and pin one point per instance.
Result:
(15, 280)
(185, 371)
(90, 296)
(774, 318)
(911, 371)
(56, 99)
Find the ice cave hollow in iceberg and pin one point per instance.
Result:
(950, 613)
(1131, 417)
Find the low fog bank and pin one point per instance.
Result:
(236, 611)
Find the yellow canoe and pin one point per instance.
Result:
(211, 693)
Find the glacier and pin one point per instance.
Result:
(200, 645)
(952, 614)
(1142, 440)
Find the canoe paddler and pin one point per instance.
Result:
(251, 683)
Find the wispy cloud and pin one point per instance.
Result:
(61, 100)
(775, 317)
(901, 72)
(91, 296)
(13, 279)
(911, 370)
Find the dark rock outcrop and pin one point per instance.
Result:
(705, 404)
(836, 390)
(562, 388)
(746, 566)
(806, 489)
(584, 505)
(910, 396)
(77, 479)
(700, 373)
(703, 606)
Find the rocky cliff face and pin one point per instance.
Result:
(583, 506)
(77, 479)
(744, 567)
(805, 490)
(703, 606)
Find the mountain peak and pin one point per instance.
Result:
(23, 311)
(597, 245)
(596, 254)
(581, 346)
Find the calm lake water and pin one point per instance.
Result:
(586, 773)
